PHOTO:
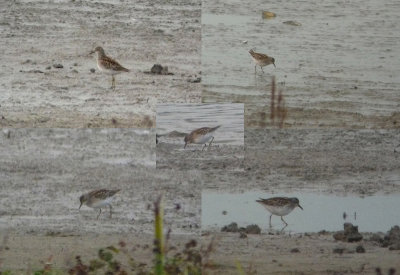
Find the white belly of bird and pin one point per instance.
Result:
(203, 139)
(261, 63)
(100, 204)
(279, 211)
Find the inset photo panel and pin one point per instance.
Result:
(303, 65)
(200, 136)
(316, 194)
(74, 192)
(102, 64)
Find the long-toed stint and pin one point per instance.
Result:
(261, 60)
(201, 136)
(279, 206)
(108, 65)
(98, 199)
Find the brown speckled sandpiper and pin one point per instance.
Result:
(261, 60)
(279, 206)
(201, 136)
(98, 199)
(108, 65)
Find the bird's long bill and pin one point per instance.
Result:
(92, 52)
(80, 206)
(300, 206)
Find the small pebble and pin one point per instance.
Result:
(338, 250)
(197, 80)
(292, 23)
(58, 66)
(158, 69)
(268, 14)
(92, 70)
(360, 249)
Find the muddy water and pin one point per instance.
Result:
(321, 212)
(337, 69)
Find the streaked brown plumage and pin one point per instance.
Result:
(280, 206)
(201, 136)
(98, 198)
(261, 60)
(108, 65)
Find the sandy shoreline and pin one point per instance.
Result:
(44, 172)
(309, 253)
(37, 36)
(321, 161)
(219, 157)
(306, 117)
(65, 132)
(335, 67)
(359, 162)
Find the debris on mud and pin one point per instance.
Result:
(250, 229)
(349, 234)
(292, 23)
(268, 15)
(58, 66)
(159, 69)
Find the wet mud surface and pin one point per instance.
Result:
(48, 79)
(45, 171)
(221, 158)
(310, 253)
(336, 69)
(359, 162)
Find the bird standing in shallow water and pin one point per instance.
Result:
(279, 206)
(98, 199)
(108, 65)
(261, 60)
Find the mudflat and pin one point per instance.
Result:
(45, 171)
(335, 63)
(333, 162)
(48, 79)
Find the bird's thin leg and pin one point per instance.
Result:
(99, 214)
(110, 211)
(262, 69)
(284, 220)
(113, 83)
(255, 69)
(209, 145)
(270, 224)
